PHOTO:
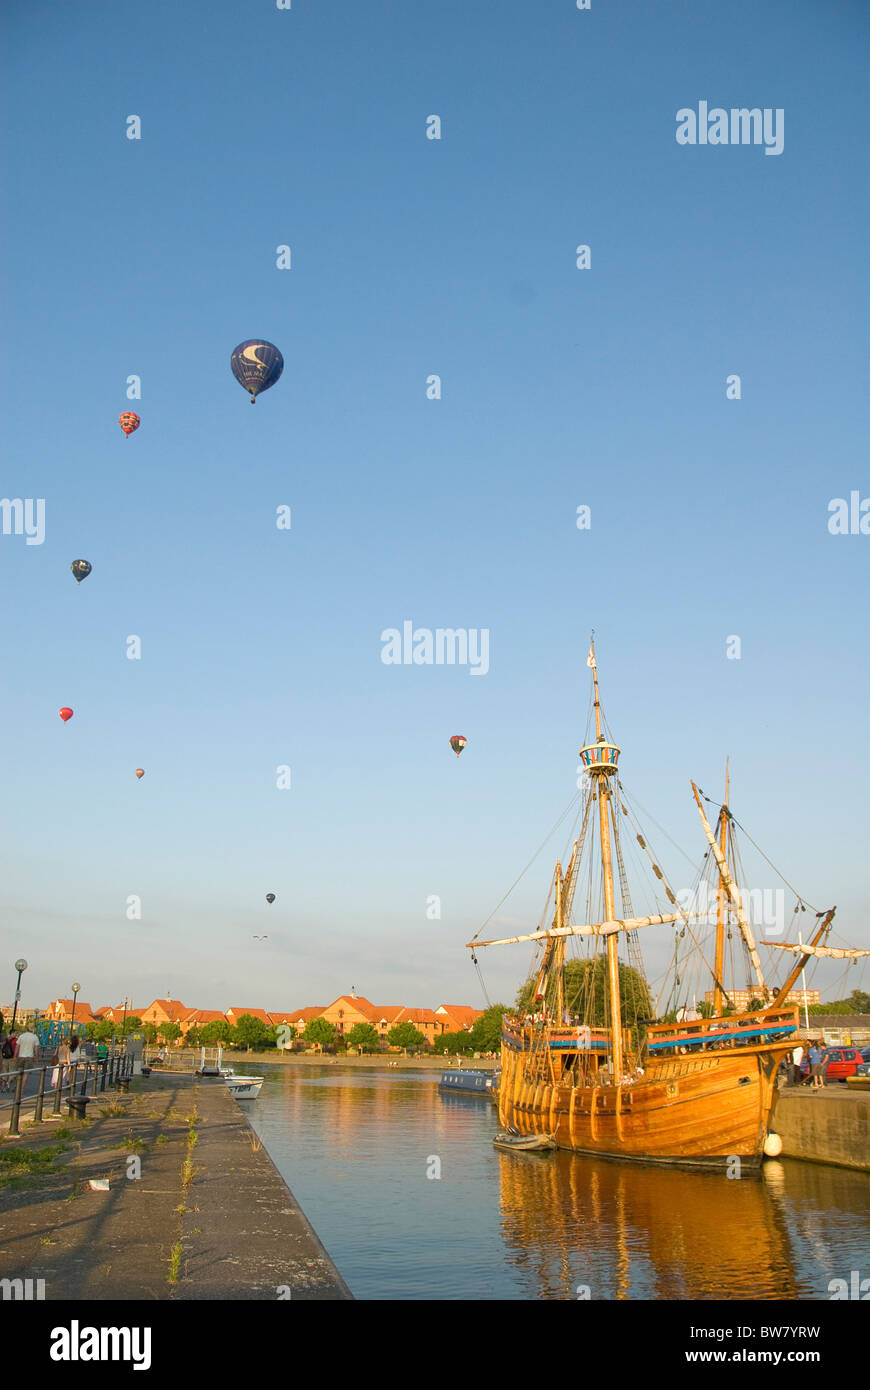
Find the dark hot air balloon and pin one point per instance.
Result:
(81, 569)
(270, 897)
(129, 422)
(140, 773)
(65, 713)
(457, 743)
(256, 366)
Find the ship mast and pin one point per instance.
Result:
(720, 908)
(600, 761)
(731, 888)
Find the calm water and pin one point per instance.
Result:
(355, 1147)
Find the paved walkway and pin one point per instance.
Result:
(208, 1217)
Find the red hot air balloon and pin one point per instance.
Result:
(140, 773)
(457, 743)
(129, 422)
(65, 713)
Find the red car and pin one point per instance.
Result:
(840, 1063)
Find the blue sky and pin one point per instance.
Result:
(560, 388)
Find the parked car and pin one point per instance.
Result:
(863, 1068)
(840, 1062)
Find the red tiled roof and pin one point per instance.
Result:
(235, 1014)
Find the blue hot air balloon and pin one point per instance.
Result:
(256, 366)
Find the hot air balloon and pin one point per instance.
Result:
(81, 569)
(270, 897)
(256, 366)
(129, 422)
(140, 773)
(457, 743)
(65, 713)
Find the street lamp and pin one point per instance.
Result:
(75, 990)
(20, 966)
(124, 1024)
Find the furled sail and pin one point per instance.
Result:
(835, 952)
(596, 929)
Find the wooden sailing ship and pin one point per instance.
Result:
(688, 1090)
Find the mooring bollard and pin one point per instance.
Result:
(16, 1105)
(40, 1096)
(78, 1106)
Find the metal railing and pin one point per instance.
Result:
(109, 1073)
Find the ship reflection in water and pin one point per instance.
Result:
(355, 1147)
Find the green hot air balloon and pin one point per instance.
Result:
(81, 569)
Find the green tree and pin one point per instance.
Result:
(131, 1024)
(193, 1037)
(585, 984)
(169, 1031)
(320, 1030)
(405, 1035)
(218, 1031)
(452, 1043)
(252, 1032)
(364, 1035)
(150, 1031)
(102, 1030)
(486, 1030)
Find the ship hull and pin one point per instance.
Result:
(698, 1111)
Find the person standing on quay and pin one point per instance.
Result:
(817, 1068)
(26, 1052)
(61, 1063)
(7, 1060)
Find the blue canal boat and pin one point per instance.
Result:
(478, 1083)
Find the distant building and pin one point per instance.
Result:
(233, 1016)
(198, 1018)
(458, 1018)
(162, 1011)
(62, 1011)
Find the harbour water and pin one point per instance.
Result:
(362, 1149)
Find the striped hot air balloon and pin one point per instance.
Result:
(129, 421)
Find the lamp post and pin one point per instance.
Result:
(20, 966)
(124, 1023)
(75, 989)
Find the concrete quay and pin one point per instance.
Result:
(195, 1209)
(827, 1125)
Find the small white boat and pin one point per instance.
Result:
(242, 1087)
(513, 1142)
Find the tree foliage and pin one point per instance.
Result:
(252, 1032)
(218, 1031)
(453, 1044)
(585, 985)
(858, 1002)
(364, 1035)
(405, 1035)
(320, 1030)
(486, 1031)
(170, 1030)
